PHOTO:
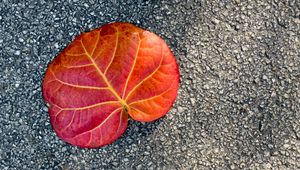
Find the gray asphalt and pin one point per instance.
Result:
(239, 98)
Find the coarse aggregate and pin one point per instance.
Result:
(237, 106)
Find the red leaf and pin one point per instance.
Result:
(105, 75)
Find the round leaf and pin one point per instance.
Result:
(104, 76)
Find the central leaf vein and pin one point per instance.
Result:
(122, 102)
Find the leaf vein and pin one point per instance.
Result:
(150, 98)
(78, 66)
(133, 66)
(141, 82)
(88, 107)
(105, 120)
(102, 75)
(78, 86)
(114, 53)
(69, 124)
(134, 108)
(75, 55)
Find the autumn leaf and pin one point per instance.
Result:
(105, 76)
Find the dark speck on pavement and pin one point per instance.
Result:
(239, 98)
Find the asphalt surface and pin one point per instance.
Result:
(239, 98)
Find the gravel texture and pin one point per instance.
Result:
(239, 98)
